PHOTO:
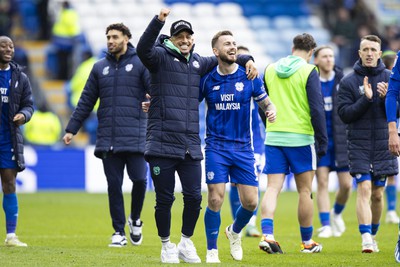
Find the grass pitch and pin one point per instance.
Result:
(74, 229)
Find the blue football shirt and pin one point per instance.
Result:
(5, 133)
(327, 91)
(228, 98)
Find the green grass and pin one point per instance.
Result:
(74, 229)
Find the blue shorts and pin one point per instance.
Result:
(230, 166)
(376, 180)
(329, 161)
(7, 160)
(279, 159)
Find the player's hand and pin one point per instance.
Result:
(367, 88)
(251, 70)
(164, 12)
(68, 138)
(19, 119)
(394, 143)
(146, 104)
(382, 89)
(271, 115)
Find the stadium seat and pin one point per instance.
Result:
(229, 10)
(259, 22)
(283, 22)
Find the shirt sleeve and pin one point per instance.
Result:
(259, 92)
(318, 120)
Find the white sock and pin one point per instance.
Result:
(270, 237)
(366, 238)
(252, 221)
(184, 238)
(10, 235)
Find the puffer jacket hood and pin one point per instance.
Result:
(287, 66)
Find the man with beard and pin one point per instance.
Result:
(120, 81)
(173, 142)
(229, 153)
(16, 109)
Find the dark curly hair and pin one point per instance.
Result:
(304, 42)
(120, 27)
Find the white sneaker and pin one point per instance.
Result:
(375, 245)
(367, 243)
(14, 242)
(212, 256)
(135, 232)
(391, 217)
(235, 243)
(337, 224)
(117, 240)
(169, 253)
(325, 231)
(187, 252)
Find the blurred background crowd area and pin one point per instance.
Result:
(59, 41)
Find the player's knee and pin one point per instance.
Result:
(8, 187)
(376, 196)
(215, 202)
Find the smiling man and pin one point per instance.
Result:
(16, 109)
(229, 150)
(120, 81)
(361, 105)
(173, 141)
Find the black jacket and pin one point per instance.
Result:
(173, 123)
(367, 130)
(121, 87)
(20, 101)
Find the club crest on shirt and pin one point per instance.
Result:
(128, 67)
(361, 89)
(239, 86)
(196, 64)
(106, 70)
(210, 175)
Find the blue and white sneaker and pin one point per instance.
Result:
(397, 251)
(118, 240)
(135, 229)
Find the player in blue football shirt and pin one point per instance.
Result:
(258, 135)
(16, 108)
(229, 154)
(392, 97)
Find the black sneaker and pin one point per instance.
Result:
(135, 230)
(270, 246)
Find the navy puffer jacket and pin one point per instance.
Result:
(367, 129)
(173, 122)
(20, 101)
(121, 87)
(339, 128)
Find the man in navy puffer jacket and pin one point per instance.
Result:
(361, 105)
(16, 109)
(120, 81)
(173, 141)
